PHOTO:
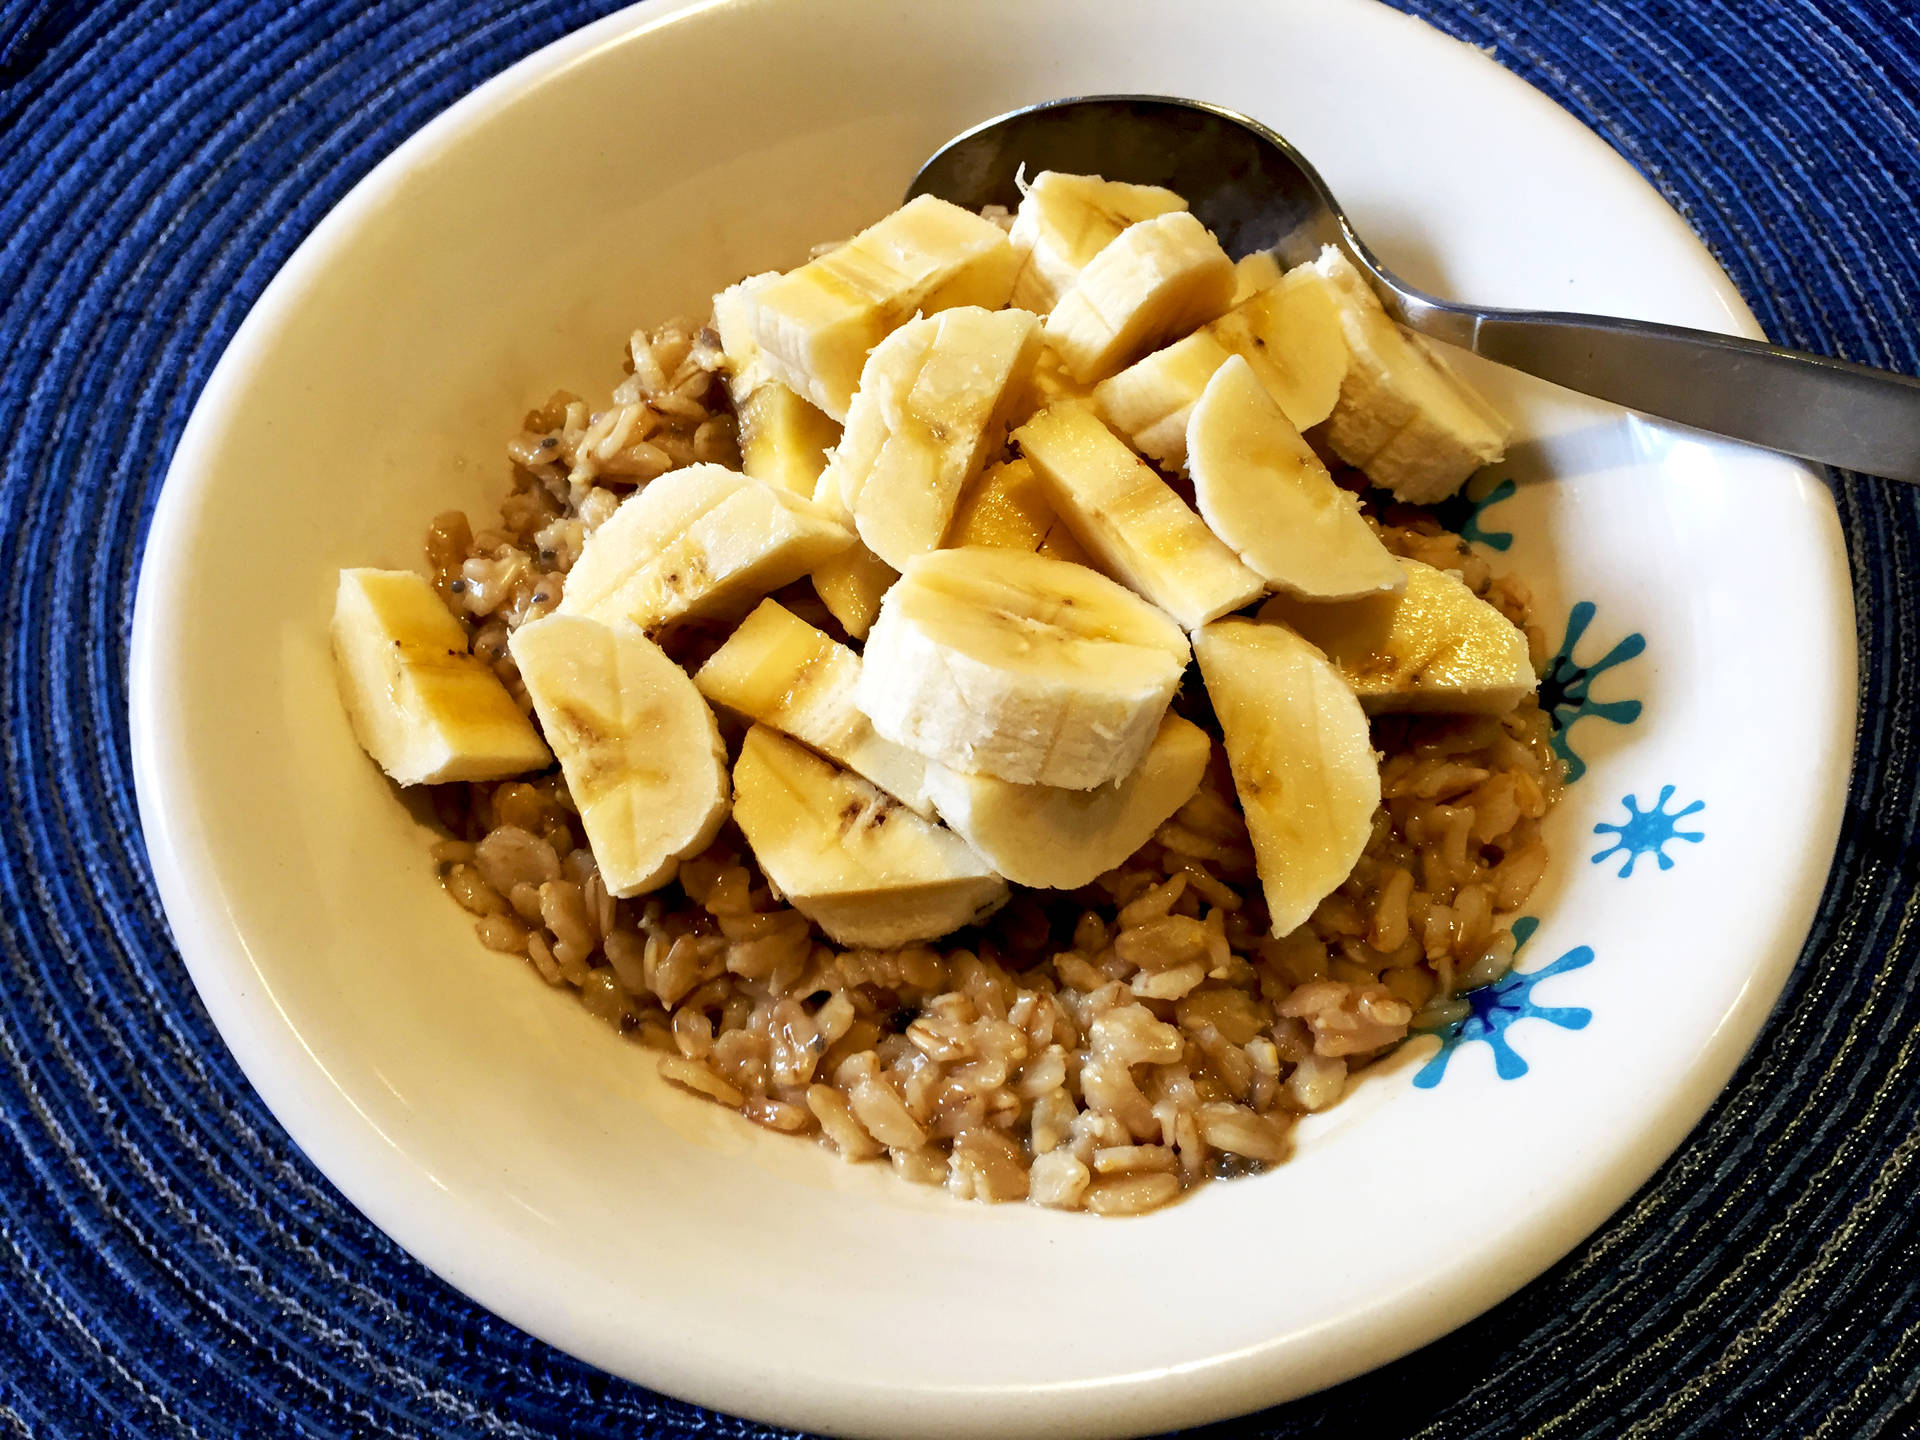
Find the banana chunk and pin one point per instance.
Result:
(1261, 489)
(426, 709)
(1065, 220)
(852, 583)
(700, 541)
(1026, 668)
(1049, 384)
(1290, 333)
(638, 746)
(1131, 521)
(778, 670)
(1302, 760)
(1435, 646)
(1158, 279)
(746, 368)
(1254, 273)
(1051, 838)
(1150, 401)
(1403, 417)
(783, 440)
(1007, 508)
(815, 325)
(932, 405)
(851, 859)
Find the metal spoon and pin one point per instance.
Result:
(1255, 191)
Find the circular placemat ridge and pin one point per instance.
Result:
(171, 1265)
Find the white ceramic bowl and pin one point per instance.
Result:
(524, 1152)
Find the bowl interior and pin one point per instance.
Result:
(529, 1155)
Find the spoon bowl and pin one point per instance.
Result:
(1244, 182)
(1255, 191)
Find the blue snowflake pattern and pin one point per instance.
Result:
(1648, 832)
(1470, 529)
(1497, 1008)
(1565, 689)
(1462, 515)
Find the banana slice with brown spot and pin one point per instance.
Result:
(637, 744)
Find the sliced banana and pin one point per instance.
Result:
(1049, 384)
(1435, 646)
(777, 669)
(638, 746)
(1131, 521)
(699, 541)
(1290, 333)
(1030, 669)
(1060, 544)
(747, 368)
(1302, 760)
(426, 709)
(861, 866)
(783, 439)
(1261, 489)
(932, 405)
(1150, 400)
(1254, 273)
(852, 583)
(815, 325)
(1065, 220)
(1403, 417)
(1007, 508)
(1051, 838)
(1158, 279)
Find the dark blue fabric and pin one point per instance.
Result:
(170, 1265)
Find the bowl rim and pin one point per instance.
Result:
(381, 1181)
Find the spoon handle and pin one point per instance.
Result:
(1807, 405)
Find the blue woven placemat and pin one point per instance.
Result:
(170, 1264)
